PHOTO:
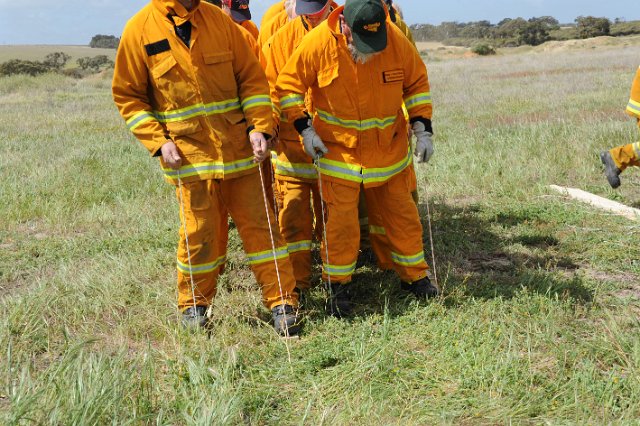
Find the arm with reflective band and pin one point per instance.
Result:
(296, 77)
(129, 90)
(633, 107)
(417, 93)
(253, 88)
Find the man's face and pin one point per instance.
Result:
(317, 18)
(188, 4)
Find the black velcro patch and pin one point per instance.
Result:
(392, 76)
(157, 47)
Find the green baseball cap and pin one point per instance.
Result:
(367, 20)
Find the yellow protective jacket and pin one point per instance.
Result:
(291, 162)
(205, 97)
(251, 27)
(633, 107)
(270, 28)
(358, 107)
(273, 10)
(251, 41)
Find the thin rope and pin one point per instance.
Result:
(186, 238)
(275, 258)
(316, 162)
(433, 253)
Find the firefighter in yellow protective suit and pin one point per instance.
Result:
(617, 159)
(296, 178)
(239, 12)
(191, 91)
(271, 12)
(358, 69)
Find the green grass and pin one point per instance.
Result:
(538, 322)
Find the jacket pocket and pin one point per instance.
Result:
(168, 81)
(182, 128)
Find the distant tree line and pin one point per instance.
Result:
(519, 31)
(104, 41)
(56, 63)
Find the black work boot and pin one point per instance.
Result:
(194, 317)
(339, 303)
(422, 289)
(611, 171)
(286, 320)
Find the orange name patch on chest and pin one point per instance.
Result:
(392, 76)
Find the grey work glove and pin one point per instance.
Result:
(313, 145)
(424, 144)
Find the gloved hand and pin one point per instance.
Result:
(424, 145)
(313, 145)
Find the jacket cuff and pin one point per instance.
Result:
(425, 121)
(302, 123)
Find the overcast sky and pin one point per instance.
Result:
(76, 21)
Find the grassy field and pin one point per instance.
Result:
(38, 52)
(538, 322)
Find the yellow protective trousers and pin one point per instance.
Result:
(298, 200)
(394, 218)
(627, 155)
(207, 204)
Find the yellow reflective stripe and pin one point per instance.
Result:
(239, 165)
(198, 109)
(203, 268)
(417, 100)
(360, 125)
(303, 245)
(339, 270)
(382, 174)
(291, 101)
(340, 170)
(633, 107)
(413, 260)
(196, 169)
(139, 118)
(636, 148)
(379, 230)
(255, 101)
(267, 255)
(301, 170)
(207, 168)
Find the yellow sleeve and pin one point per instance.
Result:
(130, 91)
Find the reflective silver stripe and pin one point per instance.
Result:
(633, 107)
(339, 269)
(256, 101)
(384, 173)
(267, 255)
(197, 110)
(361, 125)
(194, 170)
(416, 100)
(636, 148)
(290, 101)
(304, 170)
(140, 118)
(340, 170)
(414, 260)
(299, 246)
(239, 165)
(202, 268)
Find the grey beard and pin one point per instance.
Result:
(358, 56)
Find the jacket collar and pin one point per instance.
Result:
(176, 9)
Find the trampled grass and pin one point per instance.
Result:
(538, 322)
